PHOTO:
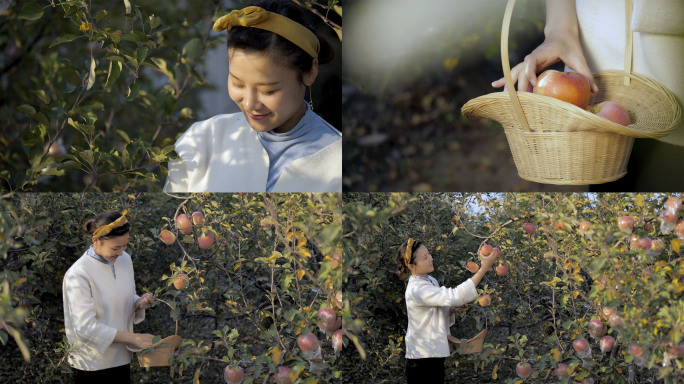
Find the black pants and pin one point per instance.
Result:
(116, 375)
(425, 371)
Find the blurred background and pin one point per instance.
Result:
(408, 68)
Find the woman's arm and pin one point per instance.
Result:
(486, 265)
(140, 340)
(561, 44)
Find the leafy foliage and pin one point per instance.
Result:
(248, 297)
(560, 278)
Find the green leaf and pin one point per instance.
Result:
(133, 90)
(27, 110)
(141, 53)
(114, 72)
(154, 21)
(31, 11)
(114, 57)
(101, 15)
(65, 38)
(124, 136)
(91, 75)
(191, 48)
(42, 96)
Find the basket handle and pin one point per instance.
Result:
(517, 108)
(628, 41)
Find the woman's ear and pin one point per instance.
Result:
(310, 77)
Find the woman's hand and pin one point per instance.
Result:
(141, 340)
(561, 44)
(487, 261)
(145, 301)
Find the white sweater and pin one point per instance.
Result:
(427, 305)
(96, 305)
(224, 154)
(658, 42)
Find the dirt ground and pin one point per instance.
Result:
(415, 138)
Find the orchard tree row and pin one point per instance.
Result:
(251, 282)
(588, 287)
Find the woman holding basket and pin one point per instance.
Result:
(99, 299)
(430, 310)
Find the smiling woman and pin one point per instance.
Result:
(430, 309)
(99, 299)
(277, 143)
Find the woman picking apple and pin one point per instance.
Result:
(99, 300)
(430, 310)
(276, 143)
(589, 36)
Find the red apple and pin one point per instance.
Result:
(673, 204)
(675, 351)
(234, 374)
(669, 216)
(307, 342)
(496, 252)
(486, 250)
(608, 312)
(338, 300)
(584, 226)
(206, 240)
(643, 243)
(472, 267)
(562, 371)
(326, 319)
(485, 300)
(606, 343)
(626, 224)
(580, 345)
(502, 269)
(635, 350)
(336, 260)
(570, 87)
(615, 321)
(529, 228)
(167, 237)
(283, 375)
(612, 111)
(524, 370)
(180, 280)
(184, 224)
(679, 229)
(560, 226)
(197, 218)
(596, 328)
(657, 246)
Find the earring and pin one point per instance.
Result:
(310, 99)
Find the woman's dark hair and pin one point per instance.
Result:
(105, 218)
(259, 40)
(402, 269)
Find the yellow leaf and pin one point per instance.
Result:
(297, 237)
(556, 354)
(577, 278)
(303, 252)
(276, 355)
(553, 282)
(494, 374)
(274, 256)
(575, 293)
(195, 380)
(450, 63)
(438, 248)
(675, 245)
(300, 273)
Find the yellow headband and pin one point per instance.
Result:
(257, 17)
(105, 229)
(408, 252)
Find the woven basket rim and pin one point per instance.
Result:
(173, 342)
(473, 345)
(593, 122)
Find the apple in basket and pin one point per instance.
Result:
(570, 87)
(612, 111)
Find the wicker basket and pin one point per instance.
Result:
(163, 350)
(468, 347)
(555, 142)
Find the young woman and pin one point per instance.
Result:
(99, 300)
(276, 143)
(430, 310)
